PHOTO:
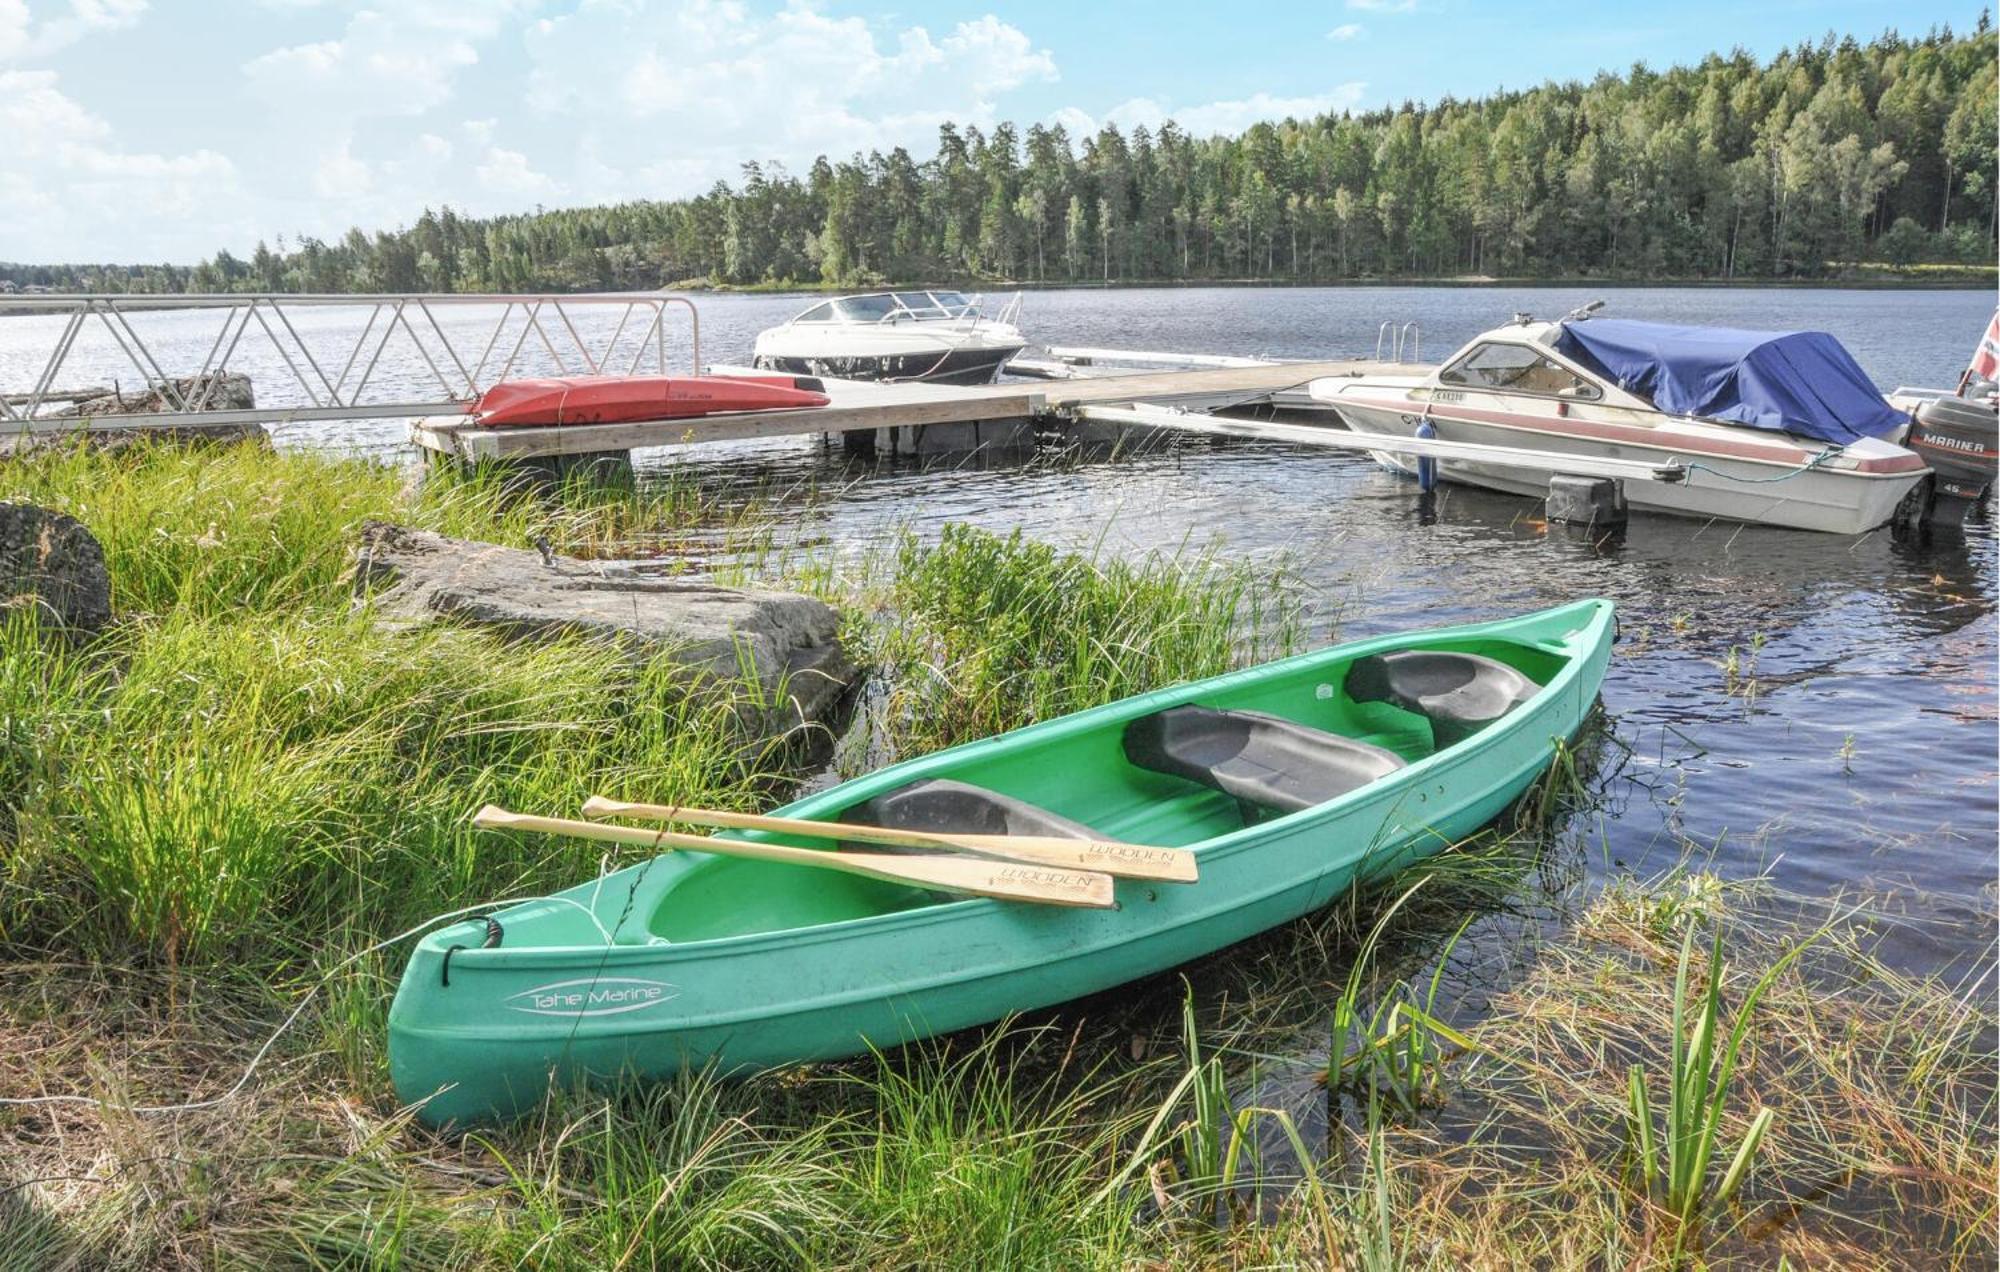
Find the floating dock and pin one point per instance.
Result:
(989, 414)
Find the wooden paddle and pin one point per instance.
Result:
(1125, 861)
(1003, 880)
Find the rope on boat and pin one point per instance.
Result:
(1826, 454)
(290, 1019)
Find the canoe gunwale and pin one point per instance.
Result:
(1515, 728)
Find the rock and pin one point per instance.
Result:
(790, 639)
(48, 560)
(230, 392)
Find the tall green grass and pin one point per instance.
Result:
(244, 764)
(985, 632)
(261, 782)
(217, 531)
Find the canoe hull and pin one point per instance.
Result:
(509, 1022)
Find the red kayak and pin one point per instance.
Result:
(618, 399)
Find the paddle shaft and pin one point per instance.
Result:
(1126, 861)
(980, 878)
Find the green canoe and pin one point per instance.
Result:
(1289, 781)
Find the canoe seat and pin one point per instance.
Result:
(1263, 760)
(944, 806)
(1459, 694)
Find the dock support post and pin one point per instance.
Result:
(858, 443)
(610, 467)
(1598, 502)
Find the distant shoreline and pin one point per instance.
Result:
(1966, 280)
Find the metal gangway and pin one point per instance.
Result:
(311, 365)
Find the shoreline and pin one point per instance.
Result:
(1970, 278)
(1957, 282)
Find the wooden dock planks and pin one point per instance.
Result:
(862, 405)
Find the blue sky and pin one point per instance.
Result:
(163, 129)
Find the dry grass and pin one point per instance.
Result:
(1882, 1152)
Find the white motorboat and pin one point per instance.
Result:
(1780, 428)
(939, 337)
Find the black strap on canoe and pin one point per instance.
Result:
(494, 933)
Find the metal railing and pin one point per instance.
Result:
(343, 379)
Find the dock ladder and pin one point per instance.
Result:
(1398, 340)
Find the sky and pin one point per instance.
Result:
(162, 130)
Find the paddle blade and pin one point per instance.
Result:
(1107, 856)
(1001, 880)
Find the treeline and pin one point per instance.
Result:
(1826, 156)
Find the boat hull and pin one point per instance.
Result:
(481, 1033)
(929, 366)
(610, 399)
(1832, 500)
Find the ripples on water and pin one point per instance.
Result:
(1862, 756)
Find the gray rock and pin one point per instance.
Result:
(790, 640)
(97, 416)
(229, 391)
(48, 560)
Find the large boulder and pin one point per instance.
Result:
(789, 639)
(50, 561)
(97, 427)
(228, 391)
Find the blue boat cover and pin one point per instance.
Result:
(1801, 382)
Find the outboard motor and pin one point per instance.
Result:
(1960, 440)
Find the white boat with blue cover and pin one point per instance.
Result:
(1781, 428)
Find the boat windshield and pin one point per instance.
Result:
(1516, 369)
(865, 308)
(922, 305)
(918, 306)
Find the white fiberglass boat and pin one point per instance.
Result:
(938, 337)
(1783, 429)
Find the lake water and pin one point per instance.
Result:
(1863, 762)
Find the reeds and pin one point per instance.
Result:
(984, 632)
(1699, 1084)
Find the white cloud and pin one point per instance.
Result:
(21, 36)
(715, 84)
(1346, 31)
(1211, 118)
(382, 65)
(1383, 6)
(508, 172)
(68, 182)
(1077, 123)
(342, 176)
(92, 162)
(38, 118)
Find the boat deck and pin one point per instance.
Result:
(859, 405)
